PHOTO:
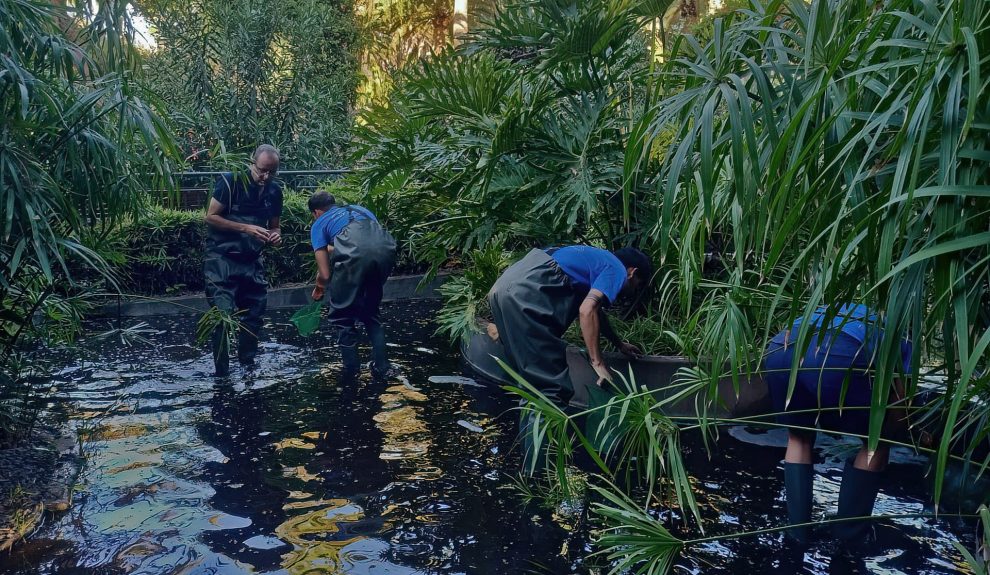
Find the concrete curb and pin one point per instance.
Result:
(652, 371)
(396, 288)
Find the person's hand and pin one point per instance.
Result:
(318, 293)
(602, 370)
(257, 232)
(274, 237)
(629, 349)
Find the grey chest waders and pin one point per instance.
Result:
(235, 280)
(534, 302)
(363, 257)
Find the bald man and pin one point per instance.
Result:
(242, 220)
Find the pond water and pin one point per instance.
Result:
(289, 469)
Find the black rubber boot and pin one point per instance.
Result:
(220, 345)
(247, 347)
(380, 366)
(347, 343)
(857, 494)
(799, 490)
(349, 355)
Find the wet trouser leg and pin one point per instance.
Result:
(221, 291)
(347, 337)
(252, 298)
(373, 291)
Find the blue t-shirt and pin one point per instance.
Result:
(250, 198)
(592, 268)
(331, 223)
(854, 320)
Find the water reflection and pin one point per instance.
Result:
(290, 469)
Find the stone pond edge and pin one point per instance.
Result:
(396, 288)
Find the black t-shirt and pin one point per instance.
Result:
(249, 197)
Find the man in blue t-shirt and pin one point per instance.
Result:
(537, 298)
(242, 219)
(354, 256)
(832, 390)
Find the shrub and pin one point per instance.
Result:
(465, 296)
(163, 250)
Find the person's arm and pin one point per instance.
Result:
(322, 271)
(275, 230)
(590, 330)
(606, 329)
(214, 217)
(275, 221)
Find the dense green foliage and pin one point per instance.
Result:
(516, 138)
(162, 250)
(396, 34)
(80, 144)
(790, 155)
(236, 73)
(835, 152)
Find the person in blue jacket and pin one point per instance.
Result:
(832, 391)
(536, 299)
(354, 256)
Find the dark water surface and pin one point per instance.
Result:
(288, 469)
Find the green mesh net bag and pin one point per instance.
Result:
(307, 319)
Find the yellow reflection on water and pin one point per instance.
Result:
(300, 472)
(406, 436)
(314, 552)
(293, 442)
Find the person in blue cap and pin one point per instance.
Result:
(832, 391)
(354, 256)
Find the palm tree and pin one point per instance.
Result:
(82, 143)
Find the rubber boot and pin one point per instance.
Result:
(799, 490)
(857, 494)
(347, 337)
(349, 355)
(379, 349)
(247, 347)
(221, 351)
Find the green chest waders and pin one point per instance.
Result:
(235, 281)
(363, 258)
(534, 303)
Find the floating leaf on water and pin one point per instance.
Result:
(469, 426)
(459, 380)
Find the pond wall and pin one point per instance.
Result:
(654, 372)
(396, 288)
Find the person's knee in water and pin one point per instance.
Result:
(243, 218)
(354, 257)
(832, 389)
(536, 299)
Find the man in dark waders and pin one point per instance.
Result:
(242, 219)
(354, 257)
(536, 299)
